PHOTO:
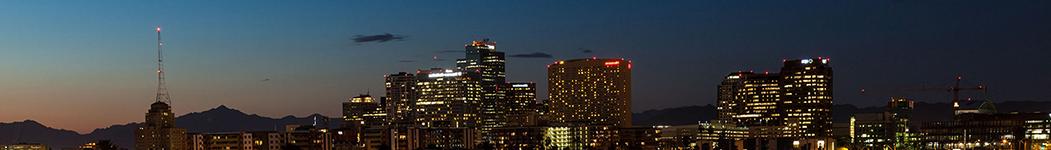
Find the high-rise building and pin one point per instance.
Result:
(750, 99)
(522, 106)
(791, 106)
(483, 58)
(589, 92)
(447, 98)
(401, 96)
(159, 131)
(807, 95)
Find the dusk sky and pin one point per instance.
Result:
(82, 65)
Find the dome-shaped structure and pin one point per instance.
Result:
(987, 107)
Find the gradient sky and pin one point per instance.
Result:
(82, 65)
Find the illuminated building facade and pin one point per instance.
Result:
(750, 99)
(721, 135)
(264, 140)
(483, 58)
(447, 98)
(441, 138)
(159, 131)
(522, 108)
(579, 137)
(308, 137)
(97, 145)
(677, 137)
(888, 129)
(589, 92)
(267, 140)
(401, 96)
(1038, 133)
(807, 96)
(987, 131)
(792, 107)
(24, 146)
(363, 111)
(519, 137)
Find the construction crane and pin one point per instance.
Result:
(954, 89)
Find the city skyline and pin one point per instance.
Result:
(279, 61)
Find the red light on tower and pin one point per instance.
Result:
(612, 63)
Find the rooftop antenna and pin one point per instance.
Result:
(162, 89)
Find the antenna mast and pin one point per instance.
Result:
(162, 89)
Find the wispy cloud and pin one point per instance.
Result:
(450, 51)
(406, 61)
(379, 38)
(532, 55)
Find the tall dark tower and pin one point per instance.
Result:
(401, 98)
(159, 131)
(807, 89)
(483, 58)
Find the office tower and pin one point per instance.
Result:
(791, 108)
(750, 99)
(159, 131)
(363, 111)
(483, 58)
(807, 95)
(589, 92)
(401, 95)
(447, 98)
(522, 106)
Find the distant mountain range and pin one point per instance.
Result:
(219, 119)
(224, 119)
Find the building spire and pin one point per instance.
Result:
(162, 89)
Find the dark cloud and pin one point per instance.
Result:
(379, 38)
(584, 50)
(532, 55)
(264, 80)
(406, 61)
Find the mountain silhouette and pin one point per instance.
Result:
(219, 119)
